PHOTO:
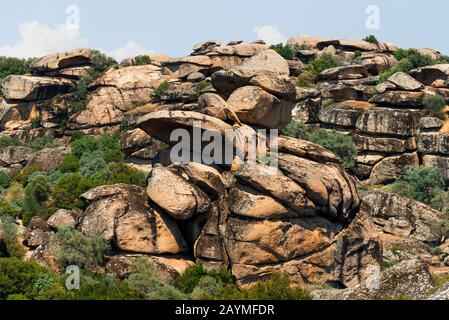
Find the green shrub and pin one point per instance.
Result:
(13, 248)
(24, 175)
(8, 209)
(69, 164)
(121, 173)
(408, 59)
(371, 38)
(341, 145)
(14, 66)
(278, 287)
(91, 163)
(141, 60)
(144, 283)
(37, 192)
(297, 130)
(7, 141)
(5, 182)
(309, 75)
(420, 183)
(434, 105)
(161, 89)
(327, 103)
(82, 145)
(69, 188)
(288, 52)
(44, 142)
(202, 87)
(19, 277)
(36, 122)
(71, 247)
(100, 63)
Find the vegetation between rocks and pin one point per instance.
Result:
(312, 70)
(341, 145)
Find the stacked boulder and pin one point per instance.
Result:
(301, 217)
(27, 97)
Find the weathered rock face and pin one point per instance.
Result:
(257, 107)
(62, 60)
(345, 73)
(16, 155)
(175, 195)
(403, 81)
(27, 88)
(64, 218)
(376, 62)
(439, 162)
(167, 268)
(403, 217)
(48, 159)
(121, 214)
(400, 99)
(38, 233)
(392, 168)
(411, 279)
(435, 76)
(344, 114)
(383, 121)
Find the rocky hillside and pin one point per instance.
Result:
(357, 202)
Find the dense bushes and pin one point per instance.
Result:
(424, 184)
(161, 89)
(11, 66)
(341, 145)
(19, 278)
(410, 59)
(39, 143)
(100, 63)
(288, 52)
(372, 39)
(200, 284)
(310, 74)
(434, 105)
(12, 247)
(71, 247)
(93, 162)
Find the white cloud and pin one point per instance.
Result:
(270, 34)
(37, 39)
(130, 49)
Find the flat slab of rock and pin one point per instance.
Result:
(384, 144)
(28, 88)
(49, 159)
(62, 60)
(408, 99)
(433, 143)
(13, 155)
(134, 77)
(344, 114)
(345, 73)
(383, 121)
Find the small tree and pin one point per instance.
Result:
(434, 105)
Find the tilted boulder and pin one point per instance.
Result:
(255, 106)
(402, 216)
(62, 60)
(48, 159)
(435, 75)
(403, 81)
(28, 88)
(376, 62)
(121, 214)
(392, 168)
(179, 198)
(64, 218)
(167, 268)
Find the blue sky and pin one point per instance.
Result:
(126, 28)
